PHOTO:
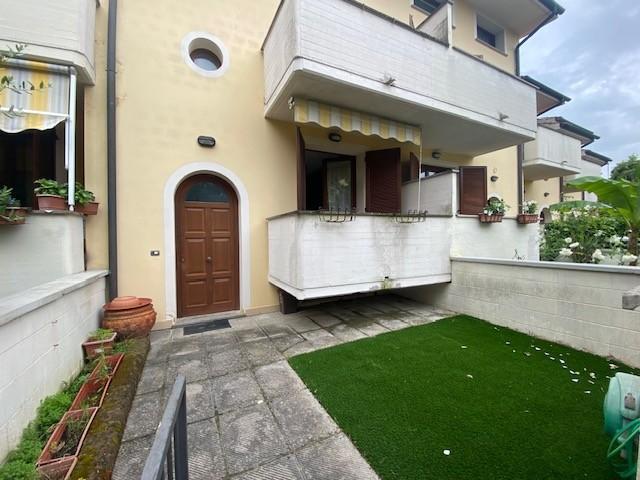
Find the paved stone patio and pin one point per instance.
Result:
(249, 415)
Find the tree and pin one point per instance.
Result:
(621, 196)
(627, 169)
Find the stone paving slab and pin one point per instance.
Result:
(250, 437)
(250, 417)
(302, 419)
(278, 379)
(205, 453)
(235, 390)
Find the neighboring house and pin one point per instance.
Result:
(311, 106)
(557, 155)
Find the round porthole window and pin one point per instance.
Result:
(205, 54)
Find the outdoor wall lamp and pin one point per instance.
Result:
(335, 137)
(208, 142)
(494, 178)
(436, 154)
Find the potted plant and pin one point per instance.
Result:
(92, 392)
(11, 213)
(529, 213)
(85, 201)
(106, 366)
(493, 211)
(67, 436)
(51, 195)
(99, 342)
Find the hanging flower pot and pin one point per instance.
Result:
(68, 436)
(129, 316)
(490, 218)
(525, 218)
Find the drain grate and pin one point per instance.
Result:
(206, 327)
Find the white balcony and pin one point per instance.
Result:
(310, 257)
(55, 31)
(552, 154)
(345, 54)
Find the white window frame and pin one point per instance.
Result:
(498, 30)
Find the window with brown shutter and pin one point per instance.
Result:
(472, 187)
(383, 182)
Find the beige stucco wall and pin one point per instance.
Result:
(95, 144)
(163, 106)
(464, 37)
(536, 191)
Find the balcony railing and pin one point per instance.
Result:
(346, 54)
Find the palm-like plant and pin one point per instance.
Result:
(621, 196)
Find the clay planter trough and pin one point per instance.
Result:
(58, 469)
(486, 218)
(91, 393)
(524, 218)
(89, 208)
(113, 362)
(129, 316)
(93, 348)
(51, 202)
(57, 446)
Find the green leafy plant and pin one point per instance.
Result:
(627, 169)
(83, 196)
(7, 201)
(495, 206)
(73, 431)
(47, 186)
(101, 334)
(621, 197)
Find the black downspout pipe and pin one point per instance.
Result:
(112, 203)
(520, 147)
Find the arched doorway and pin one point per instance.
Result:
(207, 263)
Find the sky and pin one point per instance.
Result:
(591, 53)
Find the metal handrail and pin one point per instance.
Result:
(168, 456)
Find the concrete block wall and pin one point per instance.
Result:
(576, 305)
(41, 333)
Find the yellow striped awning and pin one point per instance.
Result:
(328, 116)
(43, 105)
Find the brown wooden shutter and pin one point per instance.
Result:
(383, 183)
(301, 171)
(472, 185)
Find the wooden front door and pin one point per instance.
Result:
(384, 181)
(207, 246)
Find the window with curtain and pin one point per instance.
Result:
(339, 184)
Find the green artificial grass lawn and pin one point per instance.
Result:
(499, 401)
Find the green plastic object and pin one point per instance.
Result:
(622, 423)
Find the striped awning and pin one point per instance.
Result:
(43, 105)
(328, 116)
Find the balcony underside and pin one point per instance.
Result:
(540, 169)
(450, 132)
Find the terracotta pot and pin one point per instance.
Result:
(113, 361)
(18, 214)
(58, 469)
(485, 218)
(58, 433)
(90, 387)
(93, 348)
(51, 202)
(524, 218)
(129, 316)
(90, 208)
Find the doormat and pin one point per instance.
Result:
(206, 327)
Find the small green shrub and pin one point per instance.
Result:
(82, 196)
(45, 186)
(101, 334)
